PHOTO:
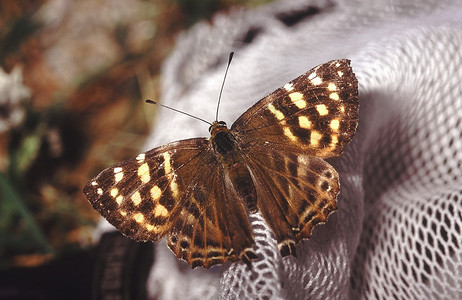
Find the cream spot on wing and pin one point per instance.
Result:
(334, 141)
(117, 170)
(140, 157)
(167, 163)
(327, 190)
(322, 109)
(151, 227)
(277, 113)
(342, 108)
(297, 99)
(334, 96)
(337, 64)
(332, 87)
(334, 124)
(99, 191)
(315, 138)
(289, 87)
(304, 122)
(340, 73)
(306, 213)
(143, 173)
(160, 211)
(174, 187)
(93, 183)
(114, 192)
(138, 217)
(289, 134)
(118, 177)
(136, 198)
(312, 75)
(123, 213)
(156, 193)
(316, 81)
(190, 219)
(119, 199)
(211, 249)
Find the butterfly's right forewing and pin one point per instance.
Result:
(141, 196)
(179, 191)
(213, 225)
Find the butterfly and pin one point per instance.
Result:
(199, 192)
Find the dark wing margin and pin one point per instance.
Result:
(316, 113)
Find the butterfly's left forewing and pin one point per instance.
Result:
(316, 113)
(296, 192)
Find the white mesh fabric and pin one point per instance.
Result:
(397, 233)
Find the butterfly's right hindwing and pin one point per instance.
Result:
(213, 226)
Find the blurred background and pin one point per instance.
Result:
(73, 79)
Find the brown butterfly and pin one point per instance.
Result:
(198, 192)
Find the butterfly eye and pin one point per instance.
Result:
(222, 123)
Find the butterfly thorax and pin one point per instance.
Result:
(223, 141)
(229, 155)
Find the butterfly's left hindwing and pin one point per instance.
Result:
(296, 192)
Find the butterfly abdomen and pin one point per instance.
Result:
(244, 186)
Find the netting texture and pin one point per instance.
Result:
(397, 232)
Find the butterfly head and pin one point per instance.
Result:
(217, 126)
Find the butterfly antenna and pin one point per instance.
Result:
(181, 112)
(223, 84)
